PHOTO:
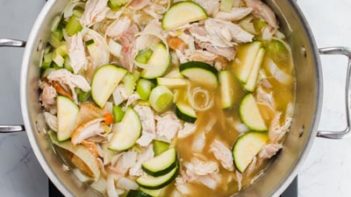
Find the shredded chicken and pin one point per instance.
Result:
(147, 119)
(126, 184)
(276, 131)
(167, 126)
(204, 172)
(139, 4)
(95, 11)
(211, 6)
(99, 51)
(127, 40)
(269, 150)
(223, 154)
(144, 156)
(187, 130)
(87, 130)
(202, 56)
(76, 53)
(64, 77)
(199, 143)
(120, 95)
(262, 10)
(119, 26)
(125, 162)
(234, 15)
(224, 33)
(48, 95)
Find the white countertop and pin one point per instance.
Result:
(326, 172)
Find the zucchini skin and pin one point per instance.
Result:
(137, 193)
(196, 64)
(163, 184)
(184, 117)
(162, 172)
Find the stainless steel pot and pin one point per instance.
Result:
(282, 170)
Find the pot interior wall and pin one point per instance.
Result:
(306, 109)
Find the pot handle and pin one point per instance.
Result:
(346, 52)
(4, 42)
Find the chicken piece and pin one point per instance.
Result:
(64, 77)
(187, 130)
(76, 53)
(199, 142)
(126, 184)
(276, 131)
(125, 162)
(262, 10)
(139, 4)
(202, 56)
(211, 6)
(95, 11)
(48, 95)
(223, 33)
(223, 154)
(127, 40)
(132, 99)
(199, 33)
(144, 156)
(167, 126)
(204, 172)
(227, 52)
(181, 186)
(51, 121)
(87, 130)
(118, 27)
(269, 150)
(99, 53)
(87, 112)
(147, 119)
(120, 95)
(235, 14)
(265, 97)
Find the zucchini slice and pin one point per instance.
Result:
(158, 63)
(127, 131)
(252, 80)
(161, 164)
(200, 73)
(251, 115)
(161, 98)
(104, 82)
(67, 114)
(245, 60)
(227, 89)
(172, 82)
(159, 147)
(151, 182)
(247, 147)
(185, 112)
(182, 13)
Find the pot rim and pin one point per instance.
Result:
(59, 184)
(318, 106)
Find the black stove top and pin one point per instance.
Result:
(291, 191)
